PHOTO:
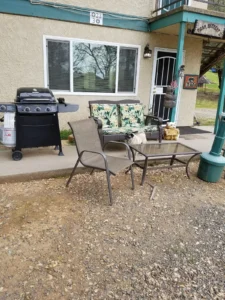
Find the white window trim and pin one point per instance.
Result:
(70, 40)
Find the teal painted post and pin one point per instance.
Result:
(179, 62)
(221, 99)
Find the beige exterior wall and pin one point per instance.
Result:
(199, 4)
(129, 7)
(22, 59)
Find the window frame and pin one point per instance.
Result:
(71, 40)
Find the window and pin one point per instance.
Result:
(59, 65)
(91, 67)
(172, 4)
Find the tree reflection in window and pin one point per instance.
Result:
(94, 68)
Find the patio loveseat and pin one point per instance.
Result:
(116, 119)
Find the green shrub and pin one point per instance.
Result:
(65, 133)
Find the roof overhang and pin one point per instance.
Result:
(185, 14)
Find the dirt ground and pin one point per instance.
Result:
(67, 243)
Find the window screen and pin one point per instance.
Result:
(58, 65)
(127, 70)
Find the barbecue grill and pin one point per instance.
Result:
(36, 119)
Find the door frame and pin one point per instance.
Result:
(156, 50)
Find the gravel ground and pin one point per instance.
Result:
(59, 243)
(205, 113)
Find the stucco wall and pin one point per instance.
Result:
(199, 4)
(21, 59)
(130, 7)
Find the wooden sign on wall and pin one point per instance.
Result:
(209, 29)
(190, 81)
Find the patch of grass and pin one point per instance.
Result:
(65, 133)
(206, 122)
(212, 87)
(206, 103)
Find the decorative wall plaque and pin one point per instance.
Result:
(190, 82)
(209, 29)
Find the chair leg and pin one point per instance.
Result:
(144, 171)
(132, 176)
(92, 171)
(109, 186)
(72, 173)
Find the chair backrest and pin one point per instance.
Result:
(86, 135)
(117, 102)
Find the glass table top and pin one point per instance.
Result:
(163, 149)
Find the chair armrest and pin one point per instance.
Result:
(158, 120)
(121, 143)
(98, 122)
(95, 152)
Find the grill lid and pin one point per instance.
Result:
(34, 95)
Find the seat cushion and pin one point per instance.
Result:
(131, 115)
(126, 129)
(107, 113)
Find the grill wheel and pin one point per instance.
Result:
(17, 155)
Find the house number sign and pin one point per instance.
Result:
(209, 29)
(96, 18)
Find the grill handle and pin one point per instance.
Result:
(61, 100)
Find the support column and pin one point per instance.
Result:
(220, 106)
(179, 62)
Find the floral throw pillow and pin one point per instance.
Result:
(131, 115)
(107, 113)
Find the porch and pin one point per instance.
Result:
(177, 18)
(45, 163)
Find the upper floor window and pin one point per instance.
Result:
(77, 66)
(163, 6)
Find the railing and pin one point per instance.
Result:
(163, 6)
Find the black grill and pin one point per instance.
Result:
(36, 119)
(37, 122)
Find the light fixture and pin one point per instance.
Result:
(147, 52)
(181, 71)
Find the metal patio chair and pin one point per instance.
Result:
(91, 154)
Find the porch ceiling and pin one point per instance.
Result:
(186, 14)
(212, 52)
(169, 23)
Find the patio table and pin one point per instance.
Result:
(163, 151)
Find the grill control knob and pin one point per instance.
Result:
(27, 109)
(2, 108)
(38, 108)
(48, 108)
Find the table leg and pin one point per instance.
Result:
(133, 156)
(187, 164)
(144, 171)
(172, 160)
